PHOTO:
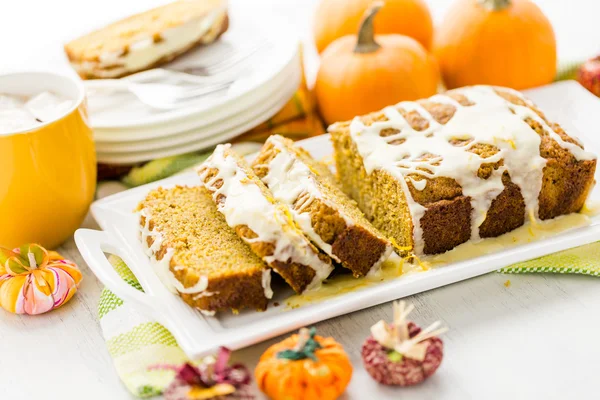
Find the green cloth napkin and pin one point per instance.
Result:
(135, 342)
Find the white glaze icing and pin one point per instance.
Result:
(266, 283)
(145, 51)
(491, 120)
(419, 185)
(162, 267)
(245, 204)
(205, 293)
(289, 178)
(388, 254)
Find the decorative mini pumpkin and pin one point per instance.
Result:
(589, 75)
(336, 18)
(214, 380)
(304, 367)
(496, 42)
(401, 353)
(34, 280)
(362, 74)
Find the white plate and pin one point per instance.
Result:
(201, 121)
(198, 335)
(195, 145)
(267, 105)
(125, 111)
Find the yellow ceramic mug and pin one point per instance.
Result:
(48, 173)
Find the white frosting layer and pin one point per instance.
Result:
(245, 204)
(266, 283)
(162, 267)
(145, 51)
(291, 181)
(288, 179)
(491, 120)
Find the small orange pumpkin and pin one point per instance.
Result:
(304, 367)
(362, 74)
(337, 18)
(496, 42)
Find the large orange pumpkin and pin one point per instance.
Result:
(497, 42)
(304, 367)
(337, 18)
(364, 73)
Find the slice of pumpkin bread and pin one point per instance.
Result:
(264, 223)
(324, 213)
(197, 255)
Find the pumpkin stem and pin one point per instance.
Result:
(495, 5)
(32, 262)
(305, 347)
(366, 33)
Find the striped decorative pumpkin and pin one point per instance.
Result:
(34, 280)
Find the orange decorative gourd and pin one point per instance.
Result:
(364, 73)
(304, 367)
(496, 42)
(337, 18)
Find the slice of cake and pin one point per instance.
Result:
(148, 39)
(471, 163)
(265, 224)
(324, 213)
(197, 255)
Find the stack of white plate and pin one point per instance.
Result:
(128, 131)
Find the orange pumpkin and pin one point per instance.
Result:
(496, 42)
(336, 18)
(364, 73)
(304, 367)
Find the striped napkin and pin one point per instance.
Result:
(135, 342)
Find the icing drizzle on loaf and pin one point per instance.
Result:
(292, 181)
(445, 150)
(162, 267)
(245, 204)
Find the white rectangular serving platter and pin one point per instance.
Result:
(566, 102)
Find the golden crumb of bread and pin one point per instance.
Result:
(205, 245)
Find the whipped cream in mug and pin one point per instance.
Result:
(19, 113)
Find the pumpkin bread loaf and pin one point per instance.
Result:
(471, 163)
(324, 213)
(148, 39)
(265, 224)
(197, 255)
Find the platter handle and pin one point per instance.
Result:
(93, 245)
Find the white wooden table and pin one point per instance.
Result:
(533, 339)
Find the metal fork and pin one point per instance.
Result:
(161, 95)
(220, 66)
(197, 73)
(199, 81)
